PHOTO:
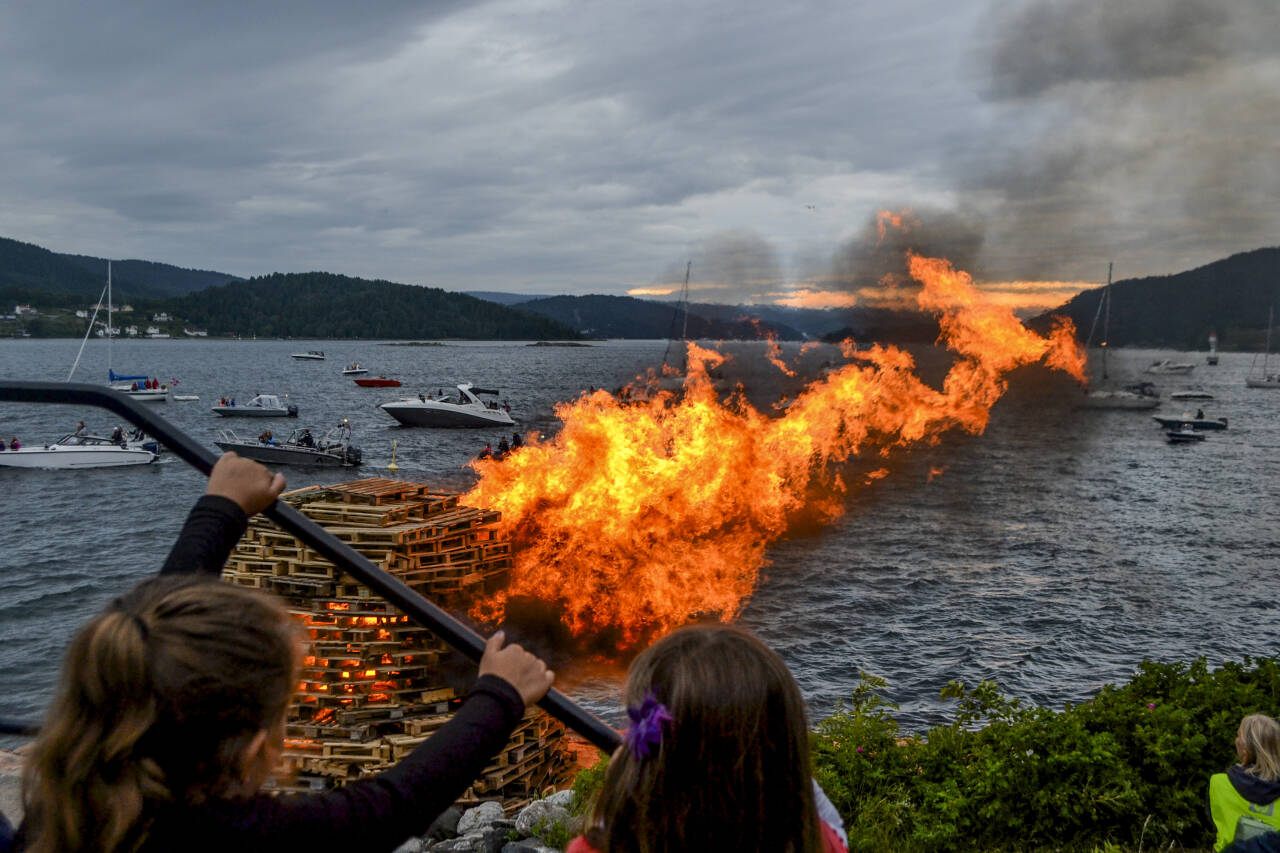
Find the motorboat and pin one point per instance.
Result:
(378, 382)
(1191, 422)
(1191, 394)
(354, 369)
(261, 406)
(1184, 436)
(464, 409)
(83, 451)
(309, 355)
(333, 449)
(1142, 395)
(1165, 367)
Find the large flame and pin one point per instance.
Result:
(639, 514)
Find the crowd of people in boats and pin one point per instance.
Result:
(171, 710)
(503, 450)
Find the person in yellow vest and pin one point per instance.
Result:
(1243, 801)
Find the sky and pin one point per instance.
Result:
(780, 152)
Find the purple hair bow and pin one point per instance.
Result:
(645, 733)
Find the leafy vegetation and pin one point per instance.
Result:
(1130, 767)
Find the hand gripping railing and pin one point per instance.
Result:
(417, 608)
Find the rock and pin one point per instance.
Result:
(413, 845)
(527, 845)
(540, 814)
(563, 799)
(473, 843)
(476, 819)
(445, 826)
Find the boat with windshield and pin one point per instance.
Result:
(445, 409)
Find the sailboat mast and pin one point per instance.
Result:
(1106, 322)
(108, 319)
(1266, 356)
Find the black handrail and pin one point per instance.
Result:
(420, 610)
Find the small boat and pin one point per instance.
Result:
(378, 382)
(1266, 379)
(1191, 394)
(464, 409)
(309, 355)
(333, 449)
(1165, 367)
(1142, 395)
(1184, 436)
(354, 369)
(261, 406)
(1191, 422)
(184, 398)
(139, 387)
(82, 451)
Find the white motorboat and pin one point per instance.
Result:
(81, 451)
(1165, 367)
(464, 409)
(354, 369)
(1191, 394)
(309, 355)
(334, 448)
(261, 406)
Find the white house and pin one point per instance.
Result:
(23, 309)
(82, 314)
(162, 317)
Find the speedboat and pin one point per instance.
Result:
(354, 369)
(334, 448)
(1184, 436)
(1143, 395)
(261, 406)
(1171, 368)
(1191, 422)
(1191, 394)
(464, 409)
(82, 451)
(378, 382)
(311, 355)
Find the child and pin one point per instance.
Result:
(171, 709)
(1242, 801)
(717, 756)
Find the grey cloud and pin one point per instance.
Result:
(876, 256)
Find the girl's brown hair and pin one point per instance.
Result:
(732, 770)
(1260, 737)
(159, 698)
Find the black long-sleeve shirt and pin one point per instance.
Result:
(373, 814)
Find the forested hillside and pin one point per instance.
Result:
(324, 305)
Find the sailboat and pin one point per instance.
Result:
(1142, 395)
(138, 387)
(1267, 379)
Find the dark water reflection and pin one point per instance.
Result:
(1051, 553)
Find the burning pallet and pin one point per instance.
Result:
(371, 686)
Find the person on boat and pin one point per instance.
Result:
(80, 428)
(266, 437)
(503, 447)
(14, 444)
(117, 436)
(1248, 793)
(305, 440)
(1199, 414)
(3, 446)
(487, 453)
(516, 441)
(135, 386)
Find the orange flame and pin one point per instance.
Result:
(638, 516)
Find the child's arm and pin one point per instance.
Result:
(237, 489)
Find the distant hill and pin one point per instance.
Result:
(628, 317)
(30, 273)
(324, 305)
(503, 298)
(1230, 296)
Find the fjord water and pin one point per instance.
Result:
(1051, 553)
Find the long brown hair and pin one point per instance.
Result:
(732, 770)
(159, 698)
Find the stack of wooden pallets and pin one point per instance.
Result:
(372, 686)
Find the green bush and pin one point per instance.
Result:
(1129, 767)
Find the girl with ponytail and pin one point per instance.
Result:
(171, 707)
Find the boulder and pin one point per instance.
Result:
(540, 814)
(476, 819)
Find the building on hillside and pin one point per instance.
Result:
(131, 331)
(162, 317)
(23, 309)
(82, 314)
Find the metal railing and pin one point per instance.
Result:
(421, 611)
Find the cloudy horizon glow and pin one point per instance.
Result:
(551, 146)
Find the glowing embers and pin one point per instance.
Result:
(643, 512)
